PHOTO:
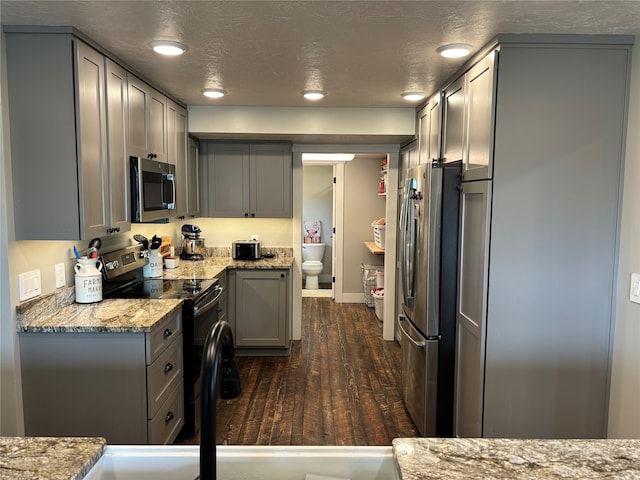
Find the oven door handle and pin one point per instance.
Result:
(217, 291)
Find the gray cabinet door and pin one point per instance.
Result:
(270, 181)
(147, 121)
(177, 154)
(93, 169)
(261, 313)
(471, 307)
(193, 181)
(117, 111)
(429, 131)
(480, 86)
(453, 138)
(228, 179)
(248, 180)
(138, 123)
(157, 133)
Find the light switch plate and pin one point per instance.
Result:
(29, 285)
(60, 275)
(634, 291)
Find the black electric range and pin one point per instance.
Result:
(123, 278)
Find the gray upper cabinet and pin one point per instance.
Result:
(453, 121)
(468, 119)
(177, 155)
(193, 197)
(248, 180)
(538, 246)
(147, 121)
(429, 119)
(63, 182)
(117, 112)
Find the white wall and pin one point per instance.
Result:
(624, 414)
(362, 205)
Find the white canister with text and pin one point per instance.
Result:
(88, 280)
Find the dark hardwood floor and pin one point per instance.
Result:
(339, 386)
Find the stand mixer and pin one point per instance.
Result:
(192, 245)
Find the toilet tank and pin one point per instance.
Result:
(313, 252)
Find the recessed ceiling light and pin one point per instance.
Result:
(167, 47)
(327, 157)
(455, 50)
(213, 93)
(412, 96)
(314, 94)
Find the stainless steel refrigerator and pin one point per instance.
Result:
(428, 265)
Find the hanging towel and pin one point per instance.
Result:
(312, 231)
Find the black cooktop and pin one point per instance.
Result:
(160, 288)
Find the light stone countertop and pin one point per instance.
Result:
(57, 312)
(471, 459)
(112, 315)
(212, 267)
(31, 458)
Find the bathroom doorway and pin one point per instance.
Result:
(318, 216)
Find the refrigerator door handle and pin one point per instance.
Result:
(419, 345)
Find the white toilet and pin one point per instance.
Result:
(312, 254)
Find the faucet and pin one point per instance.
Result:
(218, 348)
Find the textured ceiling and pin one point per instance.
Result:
(264, 53)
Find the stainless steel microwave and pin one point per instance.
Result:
(153, 189)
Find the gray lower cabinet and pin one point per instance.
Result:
(247, 180)
(261, 319)
(126, 387)
(538, 246)
(70, 184)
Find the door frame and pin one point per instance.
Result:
(393, 157)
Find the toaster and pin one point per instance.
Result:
(246, 250)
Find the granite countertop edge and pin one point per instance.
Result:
(58, 313)
(53, 458)
(500, 458)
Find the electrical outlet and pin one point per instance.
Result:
(634, 291)
(29, 285)
(61, 280)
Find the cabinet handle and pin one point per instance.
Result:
(152, 155)
(168, 367)
(167, 333)
(253, 214)
(168, 417)
(246, 214)
(282, 275)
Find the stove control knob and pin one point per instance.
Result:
(112, 265)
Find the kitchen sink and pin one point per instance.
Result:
(175, 462)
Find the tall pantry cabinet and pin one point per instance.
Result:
(540, 129)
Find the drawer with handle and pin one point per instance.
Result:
(163, 375)
(163, 335)
(163, 428)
